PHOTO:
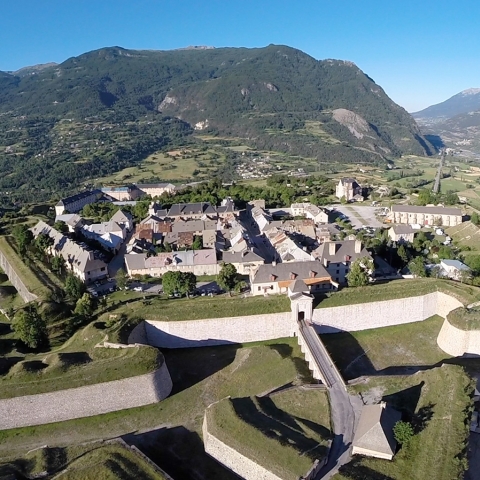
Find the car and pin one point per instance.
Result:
(138, 289)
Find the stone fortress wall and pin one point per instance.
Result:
(85, 401)
(23, 291)
(457, 342)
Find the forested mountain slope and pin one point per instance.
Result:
(110, 108)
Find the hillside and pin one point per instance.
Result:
(109, 109)
(463, 102)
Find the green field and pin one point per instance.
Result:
(300, 422)
(437, 402)
(400, 289)
(386, 350)
(465, 235)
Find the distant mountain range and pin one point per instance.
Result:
(273, 98)
(456, 121)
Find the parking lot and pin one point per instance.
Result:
(360, 216)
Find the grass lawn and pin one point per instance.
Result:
(400, 289)
(284, 433)
(368, 352)
(75, 364)
(200, 377)
(155, 307)
(437, 402)
(466, 235)
(97, 461)
(28, 277)
(465, 319)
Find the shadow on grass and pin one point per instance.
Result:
(180, 452)
(5, 328)
(278, 425)
(7, 345)
(16, 469)
(188, 366)
(6, 363)
(405, 401)
(125, 469)
(354, 470)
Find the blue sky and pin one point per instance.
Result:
(420, 52)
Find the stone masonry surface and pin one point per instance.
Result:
(218, 331)
(363, 316)
(15, 280)
(85, 401)
(457, 342)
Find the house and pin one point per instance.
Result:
(73, 221)
(348, 188)
(76, 202)
(430, 215)
(337, 257)
(109, 234)
(199, 262)
(326, 233)
(244, 261)
(310, 211)
(374, 434)
(124, 219)
(401, 233)
(454, 269)
(156, 189)
(277, 277)
(82, 261)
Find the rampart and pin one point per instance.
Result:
(216, 331)
(458, 342)
(85, 401)
(15, 279)
(363, 316)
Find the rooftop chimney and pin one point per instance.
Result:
(332, 248)
(293, 276)
(358, 246)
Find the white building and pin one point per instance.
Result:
(430, 215)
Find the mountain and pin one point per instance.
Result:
(110, 108)
(33, 69)
(463, 102)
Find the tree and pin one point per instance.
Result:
(403, 432)
(43, 242)
(58, 264)
(178, 282)
(475, 218)
(85, 306)
(403, 254)
(197, 243)
(121, 279)
(74, 287)
(60, 226)
(227, 277)
(23, 237)
(360, 272)
(30, 327)
(417, 267)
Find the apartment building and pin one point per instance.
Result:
(430, 215)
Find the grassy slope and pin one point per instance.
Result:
(441, 397)
(284, 433)
(369, 351)
(200, 377)
(401, 289)
(28, 277)
(465, 319)
(76, 364)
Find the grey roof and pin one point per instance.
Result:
(283, 271)
(342, 249)
(349, 180)
(455, 264)
(198, 208)
(120, 216)
(246, 256)
(73, 198)
(403, 229)
(431, 210)
(375, 429)
(298, 286)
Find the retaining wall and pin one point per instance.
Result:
(363, 316)
(457, 342)
(85, 401)
(22, 290)
(217, 331)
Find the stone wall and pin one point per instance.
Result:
(233, 460)
(15, 280)
(363, 316)
(457, 342)
(217, 331)
(85, 401)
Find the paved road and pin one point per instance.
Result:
(119, 259)
(263, 247)
(343, 416)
